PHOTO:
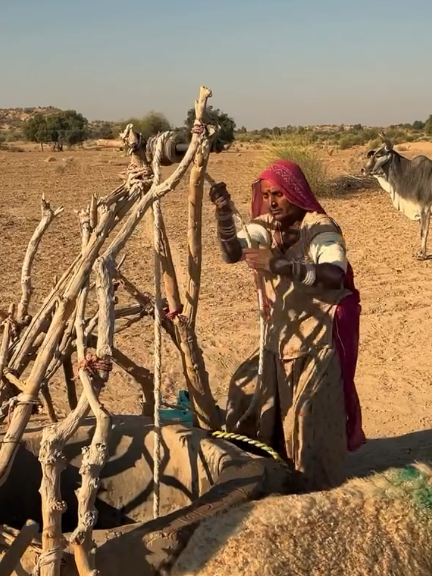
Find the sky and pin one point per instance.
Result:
(268, 62)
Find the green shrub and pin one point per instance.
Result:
(314, 168)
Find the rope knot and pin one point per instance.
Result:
(93, 364)
(199, 129)
(171, 314)
(52, 555)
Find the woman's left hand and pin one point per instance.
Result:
(258, 259)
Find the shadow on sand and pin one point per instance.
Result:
(378, 454)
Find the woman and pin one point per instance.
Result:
(308, 406)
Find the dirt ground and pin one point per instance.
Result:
(394, 373)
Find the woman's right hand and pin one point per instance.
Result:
(219, 195)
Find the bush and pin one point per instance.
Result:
(226, 124)
(374, 144)
(351, 140)
(314, 168)
(150, 124)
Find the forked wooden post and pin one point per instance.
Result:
(205, 411)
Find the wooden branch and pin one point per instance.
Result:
(147, 301)
(196, 190)
(9, 534)
(206, 414)
(147, 200)
(53, 462)
(169, 275)
(18, 359)
(133, 142)
(51, 450)
(70, 382)
(75, 281)
(48, 403)
(48, 216)
(93, 212)
(4, 350)
(64, 348)
(16, 550)
(94, 457)
(67, 302)
(67, 346)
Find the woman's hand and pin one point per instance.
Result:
(258, 259)
(220, 196)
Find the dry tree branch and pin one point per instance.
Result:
(93, 212)
(67, 302)
(70, 382)
(204, 406)
(51, 450)
(48, 403)
(168, 271)
(7, 323)
(53, 462)
(37, 324)
(16, 550)
(196, 190)
(95, 456)
(48, 216)
(63, 348)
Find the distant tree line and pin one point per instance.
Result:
(70, 128)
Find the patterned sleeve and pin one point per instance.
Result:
(330, 248)
(259, 235)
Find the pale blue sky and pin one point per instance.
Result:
(268, 62)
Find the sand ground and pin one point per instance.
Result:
(394, 373)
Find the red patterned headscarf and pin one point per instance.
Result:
(291, 181)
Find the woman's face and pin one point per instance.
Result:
(277, 205)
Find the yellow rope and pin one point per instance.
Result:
(233, 436)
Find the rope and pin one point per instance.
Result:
(93, 365)
(240, 437)
(47, 558)
(259, 283)
(158, 313)
(8, 406)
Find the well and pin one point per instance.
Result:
(196, 470)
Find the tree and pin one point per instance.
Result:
(151, 124)
(68, 126)
(226, 127)
(103, 129)
(418, 125)
(36, 130)
(428, 126)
